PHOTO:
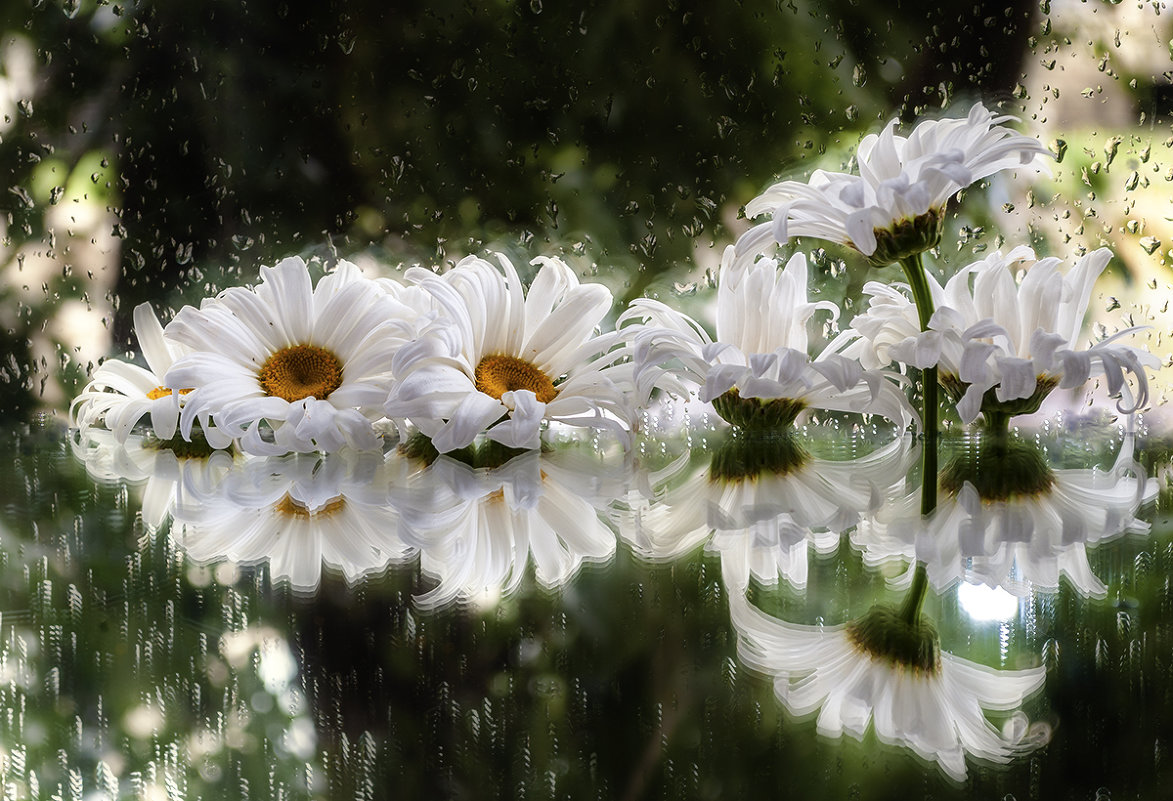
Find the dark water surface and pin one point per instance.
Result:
(551, 626)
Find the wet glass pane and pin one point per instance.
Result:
(534, 400)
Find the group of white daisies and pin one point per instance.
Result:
(290, 366)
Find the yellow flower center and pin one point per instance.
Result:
(289, 507)
(496, 375)
(163, 392)
(301, 371)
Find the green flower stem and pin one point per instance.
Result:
(915, 272)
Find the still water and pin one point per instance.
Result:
(584, 623)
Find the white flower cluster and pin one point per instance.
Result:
(292, 367)
(288, 366)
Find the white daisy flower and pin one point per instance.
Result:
(1001, 346)
(876, 673)
(478, 529)
(895, 207)
(311, 363)
(296, 514)
(504, 362)
(757, 373)
(1005, 518)
(762, 503)
(120, 394)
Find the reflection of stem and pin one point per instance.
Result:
(997, 424)
(675, 700)
(910, 609)
(914, 270)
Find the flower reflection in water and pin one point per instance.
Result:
(921, 698)
(151, 463)
(762, 503)
(296, 513)
(477, 527)
(1006, 518)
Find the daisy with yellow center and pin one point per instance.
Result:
(290, 367)
(504, 363)
(121, 394)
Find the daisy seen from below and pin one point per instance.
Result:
(757, 372)
(895, 207)
(505, 362)
(1000, 346)
(879, 673)
(289, 366)
(121, 394)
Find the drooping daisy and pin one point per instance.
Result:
(762, 503)
(895, 207)
(1007, 519)
(311, 363)
(504, 362)
(121, 394)
(757, 373)
(297, 514)
(1001, 346)
(880, 673)
(478, 529)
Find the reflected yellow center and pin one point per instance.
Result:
(301, 371)
(289, 507)
(163, 392)
(496, 375)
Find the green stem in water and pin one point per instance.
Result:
(910, 609)
(915, 272)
